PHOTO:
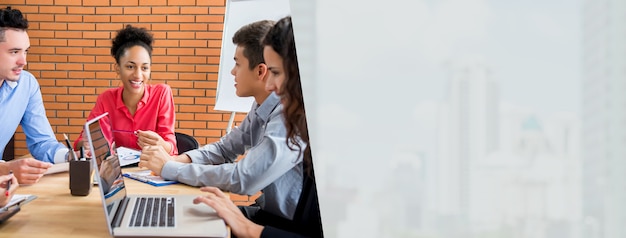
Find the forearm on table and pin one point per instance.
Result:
(211, 154)
(183, 158)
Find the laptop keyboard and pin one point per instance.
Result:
(153, 212)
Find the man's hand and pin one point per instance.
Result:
(154, 158)
(26, 170)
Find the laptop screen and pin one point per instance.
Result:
(109, 171)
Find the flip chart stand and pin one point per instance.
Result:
(229, 127)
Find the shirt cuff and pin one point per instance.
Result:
(193, 155)
(170, 170)
(61, 155)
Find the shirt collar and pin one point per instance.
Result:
(143, 101)
(146, 93)
(266, 108)
(11, 84)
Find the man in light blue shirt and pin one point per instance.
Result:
(21, 104)
(269, 166)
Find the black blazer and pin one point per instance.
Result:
(306, 220)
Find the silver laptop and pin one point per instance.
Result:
(145, 215)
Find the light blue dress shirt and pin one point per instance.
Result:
(269, 166)
(21, 104)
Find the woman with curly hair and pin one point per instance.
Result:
(140, 114)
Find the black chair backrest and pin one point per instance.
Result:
(185, 142)
(9, 150)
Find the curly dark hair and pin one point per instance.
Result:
(248, 37)
(128, 37)
(281, 39)
(11, 18)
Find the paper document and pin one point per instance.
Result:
(146, 176)
(58, 168)
(127, 155)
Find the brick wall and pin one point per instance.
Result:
(70, 43)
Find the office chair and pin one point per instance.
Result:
(185, 142)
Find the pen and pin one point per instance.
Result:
(8, 184)
(69, 146)
(124, 131)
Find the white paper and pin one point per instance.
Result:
(127, 155)
(58, 168)
(238, 14)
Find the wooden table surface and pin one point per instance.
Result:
(56, 213)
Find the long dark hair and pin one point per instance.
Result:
(281, 39)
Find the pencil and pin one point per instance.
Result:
(124, 131)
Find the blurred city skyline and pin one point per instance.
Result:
(486, 145)
(531, 51)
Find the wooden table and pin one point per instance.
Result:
(56, 213)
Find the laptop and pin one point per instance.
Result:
(145, 215)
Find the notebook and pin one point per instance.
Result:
(145, 215)
(146, 176)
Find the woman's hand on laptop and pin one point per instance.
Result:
(227, 210)
(154, 158)
(28, 170)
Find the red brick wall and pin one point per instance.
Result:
(69, 55)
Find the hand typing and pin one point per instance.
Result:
(227, 210)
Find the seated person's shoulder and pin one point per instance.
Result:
(27, 75)
(161, 88)
(109, 93)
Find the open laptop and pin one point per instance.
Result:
(145, 215)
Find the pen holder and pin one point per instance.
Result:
(81, 177)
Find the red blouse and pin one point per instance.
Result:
(155, 112)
